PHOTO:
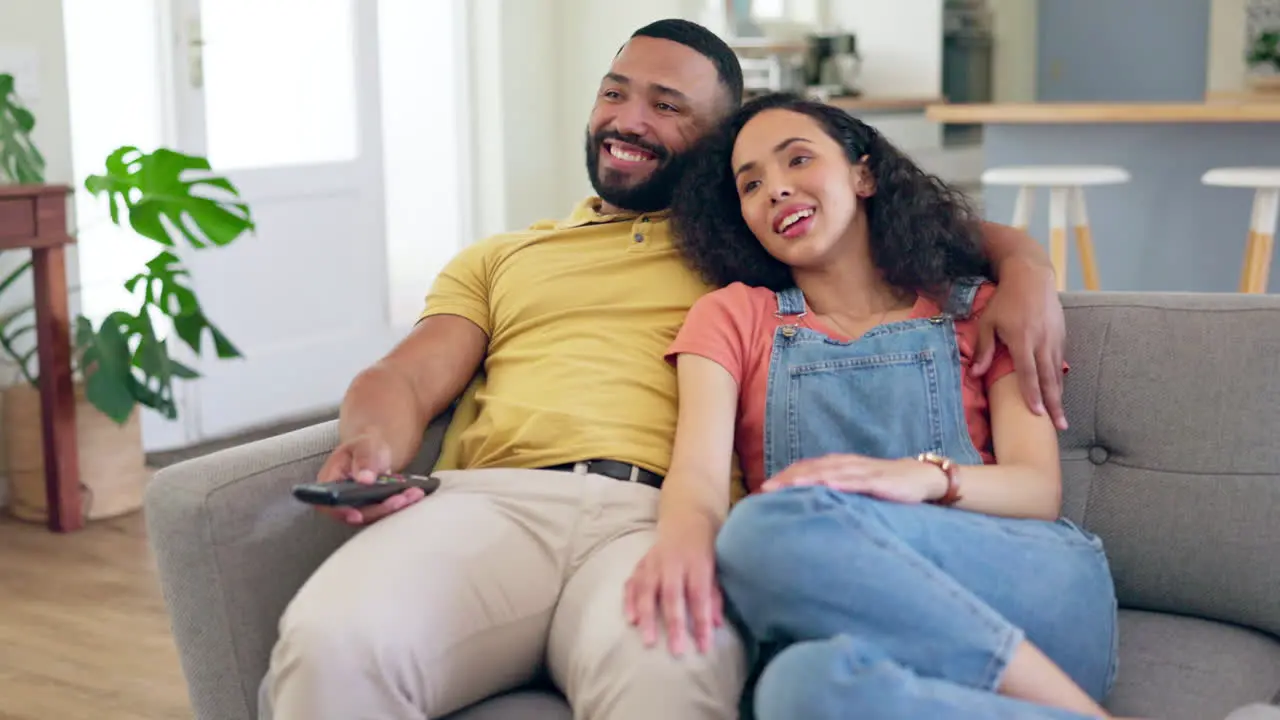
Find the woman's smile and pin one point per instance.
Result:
(794, 221)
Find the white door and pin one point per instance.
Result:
(282, 97)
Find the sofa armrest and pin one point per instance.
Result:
(232, 546)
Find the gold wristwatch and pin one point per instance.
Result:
(951, 470)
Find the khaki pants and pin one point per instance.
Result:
(470, 591)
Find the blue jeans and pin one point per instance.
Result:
(908, 611)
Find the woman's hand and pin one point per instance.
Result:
(906, 481)
(677, 577)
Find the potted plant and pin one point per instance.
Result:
(126, 362)
(1263, 59)
(20, 161)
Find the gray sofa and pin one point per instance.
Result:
(1172, 457)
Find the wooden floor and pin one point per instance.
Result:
(83, 631)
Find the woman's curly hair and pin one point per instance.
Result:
(923, 234)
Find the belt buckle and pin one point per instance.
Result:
(584, 466)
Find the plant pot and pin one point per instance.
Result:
(113, 472)
(1269, 84)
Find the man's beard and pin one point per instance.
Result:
(651, 194)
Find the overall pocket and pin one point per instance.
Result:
(884, 405)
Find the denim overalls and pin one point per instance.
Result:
(869, 608)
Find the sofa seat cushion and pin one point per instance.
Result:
(1176, 668)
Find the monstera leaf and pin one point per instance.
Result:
(163, 287)
(166, 185)
(20, 161)
(106, 362)
(125, 360)
(170, 198)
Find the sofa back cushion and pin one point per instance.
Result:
(1172, 454)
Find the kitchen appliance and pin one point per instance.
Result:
(832, 64)
(967, 52)
(772, 72)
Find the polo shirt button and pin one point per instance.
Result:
(639, 237)
(1098, 455)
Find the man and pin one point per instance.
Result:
(518, 562)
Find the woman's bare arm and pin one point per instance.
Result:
(677, 577)
(1026, 480)
(697, 484)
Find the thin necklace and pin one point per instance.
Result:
(832, 319)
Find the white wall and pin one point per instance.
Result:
(1014, 65)
(531, 38)
(1226, 65)
(515, 163)
(122, 102)
(427, 212)
(900, 42)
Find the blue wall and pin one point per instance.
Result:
(1164, 231)
(1122, 50)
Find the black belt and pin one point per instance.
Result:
(614, 469)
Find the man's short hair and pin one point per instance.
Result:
(707, 44)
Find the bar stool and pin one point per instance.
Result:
(1066, 202)
(1265, 182)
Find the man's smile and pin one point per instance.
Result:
(626, 157)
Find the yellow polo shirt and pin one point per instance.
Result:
(579, 314)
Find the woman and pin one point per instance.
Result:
(900, 554)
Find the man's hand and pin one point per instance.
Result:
(677, 578)
(362, 459)
(1026, 314)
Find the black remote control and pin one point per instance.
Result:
(349, 493)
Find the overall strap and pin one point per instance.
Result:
(961, 296)
(790, 302)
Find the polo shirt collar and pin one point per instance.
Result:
(588, 212)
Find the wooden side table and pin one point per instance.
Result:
(35, 217)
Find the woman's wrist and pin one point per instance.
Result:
(945, 489)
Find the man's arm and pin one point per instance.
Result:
(388, 406)
(1010, 248)
(397, 397)
(1026, 314)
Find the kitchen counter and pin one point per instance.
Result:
(857, 104)
(901, 119)
(1164, 230)
(873, 103)
(1105, 113)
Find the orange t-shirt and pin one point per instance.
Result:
(734, 326)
